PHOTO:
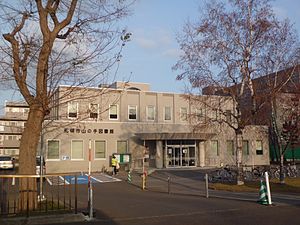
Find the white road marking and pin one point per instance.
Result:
(64, 180)
(49, 181)
(110, 177)
(96, 178)
(100, 181)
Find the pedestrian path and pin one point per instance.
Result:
(82, 179)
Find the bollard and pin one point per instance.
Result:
(129, 177)
(169, 182)
(206, 185)
(143, 181)
(268, 188)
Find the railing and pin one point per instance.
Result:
(53, 192)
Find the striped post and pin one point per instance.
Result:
(129, 177)
(263, 197)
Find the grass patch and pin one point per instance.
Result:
(292, 185)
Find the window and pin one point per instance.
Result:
(200, 114)
(150, 111)
(259, 147)
(183, 114)
(228, 116)
(53, 149)
(113, 112)
(100, 150)
(122, 147)
(245, 147)
(168, 113)
(72, 109)
(215, 147)
(132, 112)
(215, 114)
(10, 137)
(77, 149)
(230, 147)
(94, 108)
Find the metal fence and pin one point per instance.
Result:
(53, 192)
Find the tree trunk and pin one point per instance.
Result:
(239, 146)
(27, 162)
(281, 177)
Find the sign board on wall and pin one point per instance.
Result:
(123, 158)
(126, 158)
(65, 157)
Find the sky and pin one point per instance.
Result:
(153, 49)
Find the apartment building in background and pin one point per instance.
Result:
(12, 124)
(169, 130)
(287, 103)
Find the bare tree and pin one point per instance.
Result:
(279, 93)
(228, 48)
(285, 127)
(52, 42)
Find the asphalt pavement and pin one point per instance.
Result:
(192, 182)
(184, 202)
(125, 203)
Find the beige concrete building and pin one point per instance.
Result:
(12, 124)
(168, 130)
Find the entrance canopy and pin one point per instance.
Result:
(174, 136)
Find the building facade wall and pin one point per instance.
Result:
(12, 124)
(172, 132)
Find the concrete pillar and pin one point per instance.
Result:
(159, 155)
(201, 153)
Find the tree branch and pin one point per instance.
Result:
(66, 34)
(20, 77)
(52, 8)
(43, 18)
(68, 18)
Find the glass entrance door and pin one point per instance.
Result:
(173, 156)
(180, 156)
(177, 156)
(185, 157)
(192, 156)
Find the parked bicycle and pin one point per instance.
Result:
(229, 173)
(224, 174)
(288, 171)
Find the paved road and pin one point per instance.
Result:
(122, 203)
(191, 182)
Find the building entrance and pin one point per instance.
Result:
(180, 154)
